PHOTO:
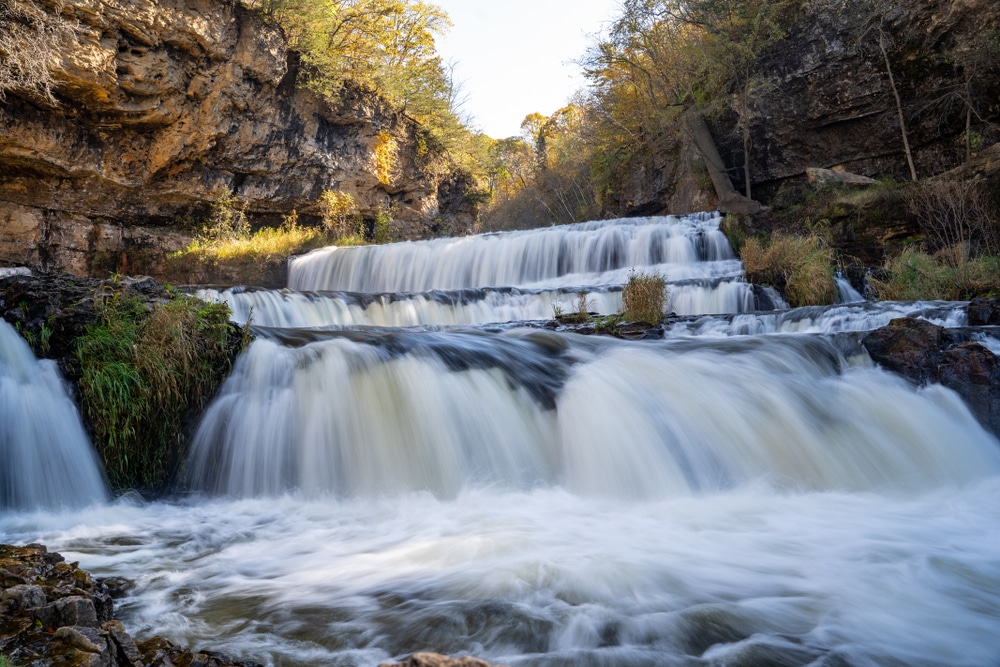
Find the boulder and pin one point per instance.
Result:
(925, 353)
(818, 176)
(984, 312)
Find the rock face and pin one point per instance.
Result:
(54, 613)
(823, 99)
(826, 100)
(162, 105)
(925, 352)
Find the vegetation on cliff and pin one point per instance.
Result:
(144, 360)
(142, 371)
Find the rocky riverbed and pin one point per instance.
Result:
(55, 613)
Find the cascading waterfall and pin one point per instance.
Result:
(398, 464)
(593, 253)
(411, 412)
(46, 460)
(288, 308)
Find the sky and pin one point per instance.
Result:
(514, 57)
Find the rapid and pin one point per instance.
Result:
(404, 460)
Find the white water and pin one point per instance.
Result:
(45, 457)
(587, 254)
(740, 490)
(287, 308)
(6, 272)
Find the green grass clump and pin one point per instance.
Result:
(142, 370)
(799, 266)
(644, 298)
(914, 275)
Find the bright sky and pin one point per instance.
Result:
(514, 56)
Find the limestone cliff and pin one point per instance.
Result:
(161, 105)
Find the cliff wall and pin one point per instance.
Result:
(822, 97)
(162, 105)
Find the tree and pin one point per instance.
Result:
(877, 12)
(683, 53)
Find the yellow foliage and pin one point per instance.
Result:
(264, 245)
(384, 154)
(336, 209)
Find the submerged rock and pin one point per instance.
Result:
(437, 660)
(984, 312)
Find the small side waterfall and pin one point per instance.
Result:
(46, 460)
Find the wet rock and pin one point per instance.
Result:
(709, 625)
(984, 312)
(117, 587)
(925, 352)
(909, 347)
(72, 610)
(50, 612)
(763, 654)
(437, 660)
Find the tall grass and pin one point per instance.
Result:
(142, 371)
(246, 256)
(915, 275)
(799, 266)
(644, 298)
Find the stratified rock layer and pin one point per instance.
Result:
(165, 104)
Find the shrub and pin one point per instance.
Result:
(955, 213)
(800, 267)
(142, 370)
(917, 276)
(644, 298)
(228, 220)
(337, 210)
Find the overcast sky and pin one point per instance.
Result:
(514, 56)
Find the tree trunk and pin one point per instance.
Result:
(899, 104)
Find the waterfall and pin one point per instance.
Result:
(405, 459)
(594, 253)
(288, 308)
(46, 460)
(392, 413)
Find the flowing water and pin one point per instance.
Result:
(395, 466)
(45, 458)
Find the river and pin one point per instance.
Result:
(401, 463)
